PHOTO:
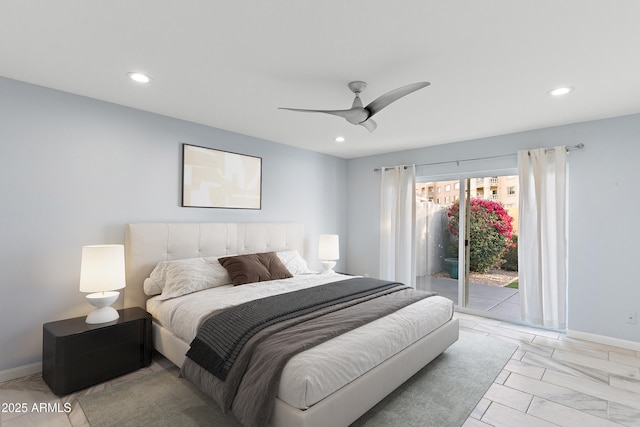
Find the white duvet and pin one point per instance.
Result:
(316, 373)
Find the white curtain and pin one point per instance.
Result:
(397, 225)
(542, 236)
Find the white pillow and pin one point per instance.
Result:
(174, 278)
(294, 262)
(151, 288)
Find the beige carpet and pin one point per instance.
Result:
(442, 394)
(158, 399)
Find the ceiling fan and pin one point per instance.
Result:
(359, 115)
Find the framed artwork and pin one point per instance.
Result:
(220, 179)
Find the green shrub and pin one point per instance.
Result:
(490, 232)
(511, 256)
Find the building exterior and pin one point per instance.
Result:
(503, 189)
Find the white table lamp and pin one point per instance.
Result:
(101, 272)
(329, 251)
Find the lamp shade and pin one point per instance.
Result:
(102, 268)
(329, 247)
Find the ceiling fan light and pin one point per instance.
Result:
(339, 139)
(139, 77)
(559, 91)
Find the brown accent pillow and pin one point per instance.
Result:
(253, 268)
(276, 268)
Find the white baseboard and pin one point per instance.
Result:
(602, 339)
(20, 371)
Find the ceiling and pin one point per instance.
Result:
(230, 65)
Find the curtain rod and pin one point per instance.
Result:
(568, 148)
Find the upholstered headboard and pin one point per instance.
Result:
(146, 244)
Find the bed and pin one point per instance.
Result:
(300, 401)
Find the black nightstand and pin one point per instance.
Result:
(77, 355)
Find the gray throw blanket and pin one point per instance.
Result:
(252, 382)
(221, 337)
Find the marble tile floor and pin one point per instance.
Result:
(554, 380)
(551, 380)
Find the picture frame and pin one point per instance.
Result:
(214, 178)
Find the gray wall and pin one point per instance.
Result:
(603, 205)
(74, 171)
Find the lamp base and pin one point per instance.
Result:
(103, 312)
(102, 315)
(328, 266)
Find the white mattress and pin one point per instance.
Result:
(316, 373)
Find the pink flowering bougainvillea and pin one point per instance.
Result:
(491, 232)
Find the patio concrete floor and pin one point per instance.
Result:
(503, 302)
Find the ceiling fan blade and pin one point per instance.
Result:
(342, 113)
(382, 101)
(353, 115)
(369, 124)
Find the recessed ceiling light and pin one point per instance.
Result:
(559, 91)
(339, 139)
(139, 77)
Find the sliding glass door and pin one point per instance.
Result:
(466, 242)
(437, 262)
